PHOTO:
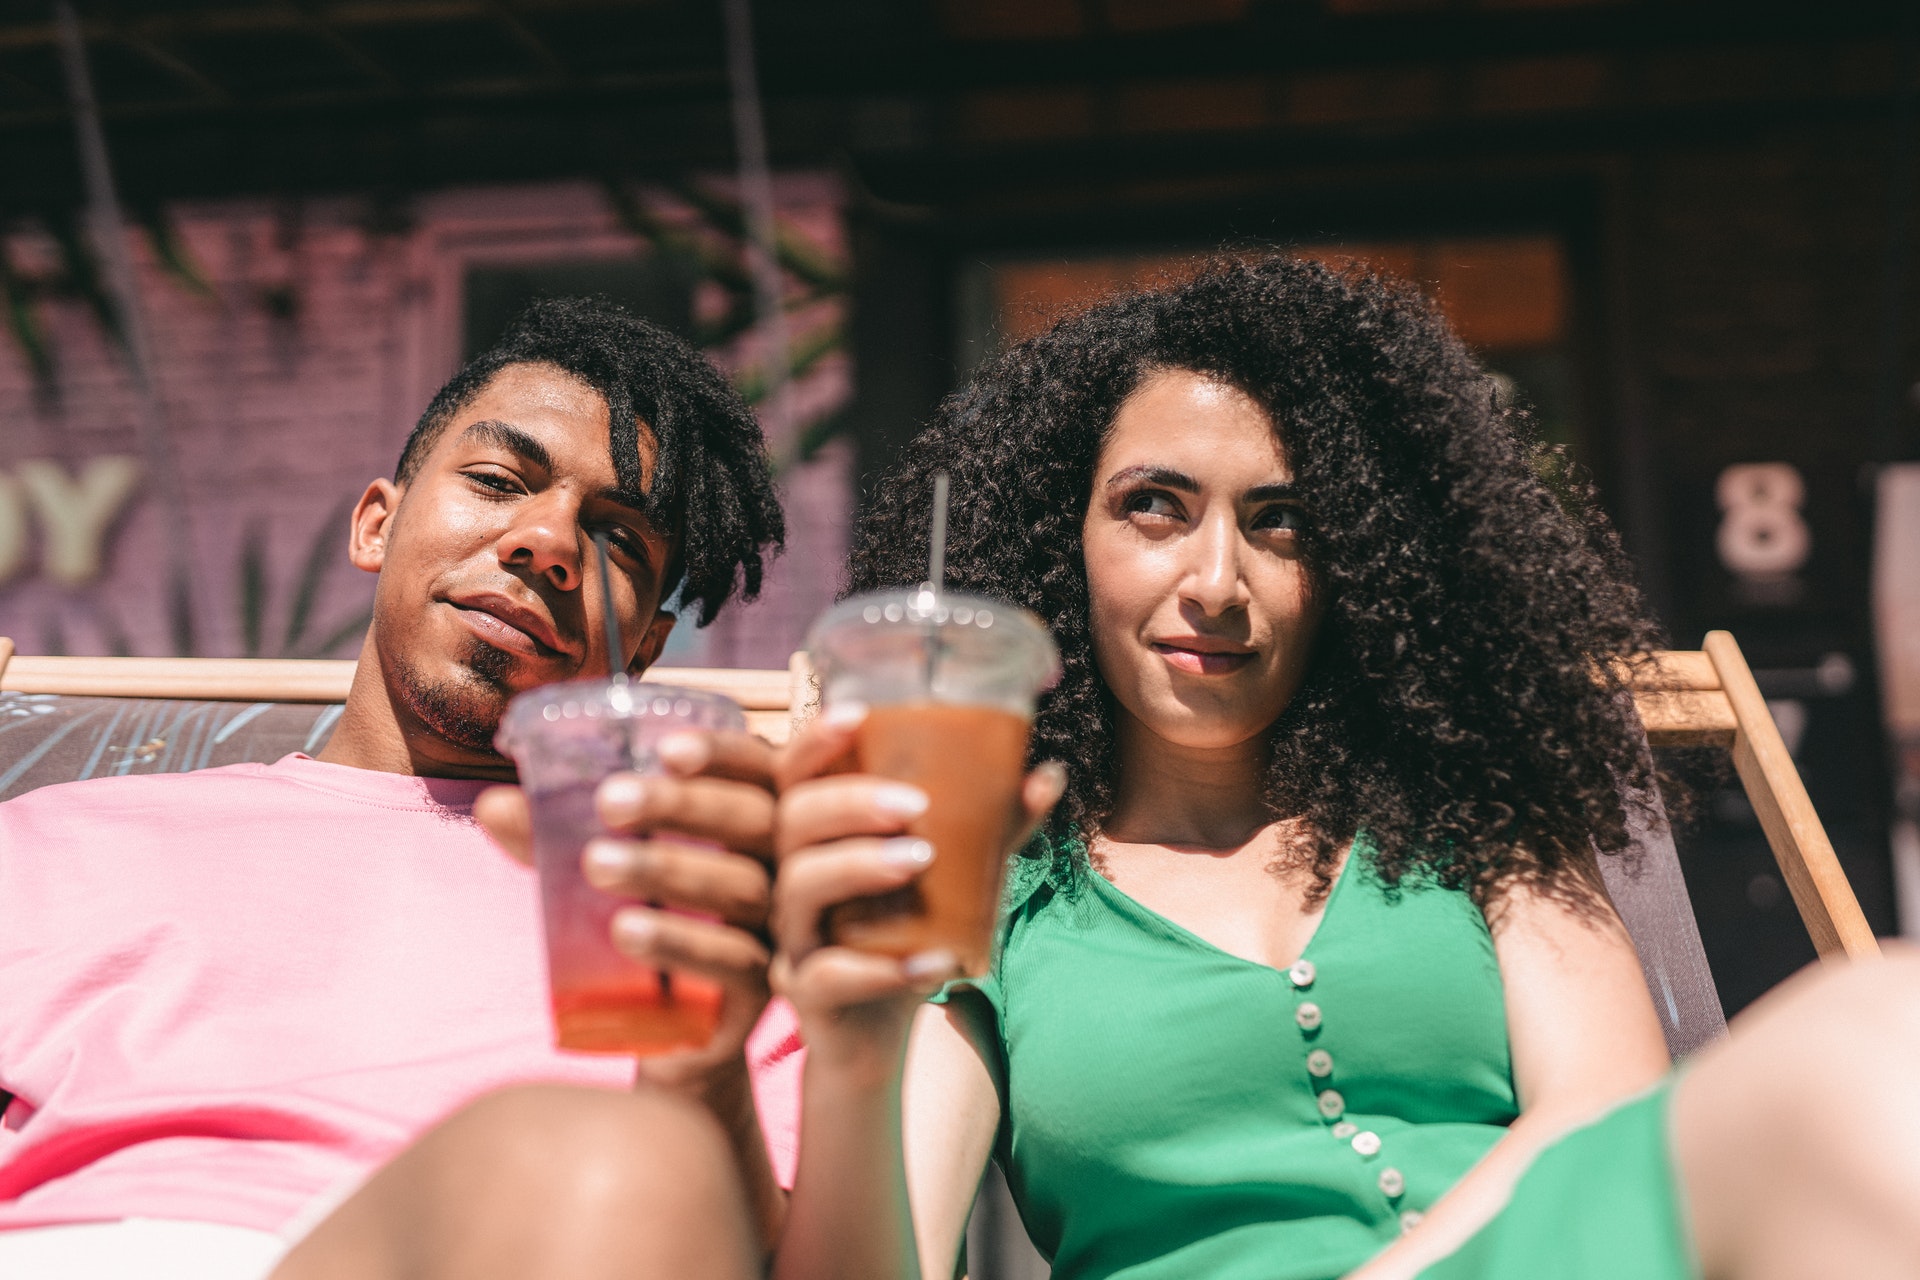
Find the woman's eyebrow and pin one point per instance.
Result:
(1282, 491)
(1164, 476)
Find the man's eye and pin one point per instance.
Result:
(627, 542)
(495, 481)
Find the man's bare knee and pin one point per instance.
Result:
(556, 1180)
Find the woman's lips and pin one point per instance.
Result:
(1201, 663)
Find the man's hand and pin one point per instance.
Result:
(717, 790)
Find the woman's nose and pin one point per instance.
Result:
(544, 538)
(1213, 579)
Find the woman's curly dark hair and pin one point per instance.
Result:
(1464, 704)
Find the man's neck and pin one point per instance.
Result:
(376, 732)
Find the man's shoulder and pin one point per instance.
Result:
(142, 791)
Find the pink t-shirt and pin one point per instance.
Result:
(225, 994)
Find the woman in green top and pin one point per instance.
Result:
(1310, 959)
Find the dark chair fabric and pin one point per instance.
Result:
(1651, 896)
(48, 738)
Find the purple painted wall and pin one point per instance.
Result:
(291, 379)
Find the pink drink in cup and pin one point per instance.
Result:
(566, 739)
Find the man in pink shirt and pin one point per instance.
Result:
(228, 997)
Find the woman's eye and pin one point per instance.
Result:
(1285, 519)
(1151, 503)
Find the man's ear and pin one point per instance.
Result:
(652, 641)
(372, 525)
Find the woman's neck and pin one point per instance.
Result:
(1170, 794)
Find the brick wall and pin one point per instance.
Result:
(292, 379)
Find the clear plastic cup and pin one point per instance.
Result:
(950, 682)
(566, 738)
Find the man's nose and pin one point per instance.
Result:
(1213, 580)
(545, 539)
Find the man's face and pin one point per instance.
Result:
(486, 562)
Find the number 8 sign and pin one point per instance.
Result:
(1762, 534)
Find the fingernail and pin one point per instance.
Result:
(636, 927)
(684, 752)
(901, 800)
(619, 798)
(1054, 773)
(605, 862)
(905, 851)
(844, 715)
(931, 964)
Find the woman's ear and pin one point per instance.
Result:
(372, 524)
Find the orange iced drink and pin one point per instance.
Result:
(949, 682)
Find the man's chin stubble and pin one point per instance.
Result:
(466, 710)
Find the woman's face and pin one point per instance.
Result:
(1203, 605)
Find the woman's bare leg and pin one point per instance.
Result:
(546, 1181)
(1797, 1140)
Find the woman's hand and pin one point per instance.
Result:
(840, 836)
(717, 790)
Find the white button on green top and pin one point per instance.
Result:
(1410, 1219)
(1367, 1142)
(1301, 973)
(1332, 1105)
(1320, 1063)
(1345, 1129)
(1307, 1015)
(1391, 1183)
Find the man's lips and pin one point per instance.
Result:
(510, 626)
(1200, 656)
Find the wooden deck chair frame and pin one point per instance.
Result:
(1706, 697)
(767, 696)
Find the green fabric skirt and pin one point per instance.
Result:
(1603, 1201)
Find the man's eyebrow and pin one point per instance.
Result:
(634, 502)
(511, 438)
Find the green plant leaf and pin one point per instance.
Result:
(180, 613)
(791, 250)
(82, 278)
(813, 438)
(811, 348)
(351, 629)
(722, 267)
(171, 251)
(322, 551)
(252, 587)
(23, 321)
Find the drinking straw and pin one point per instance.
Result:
(937, 543)
(936, 572)
(617, 674)
(615, 671)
